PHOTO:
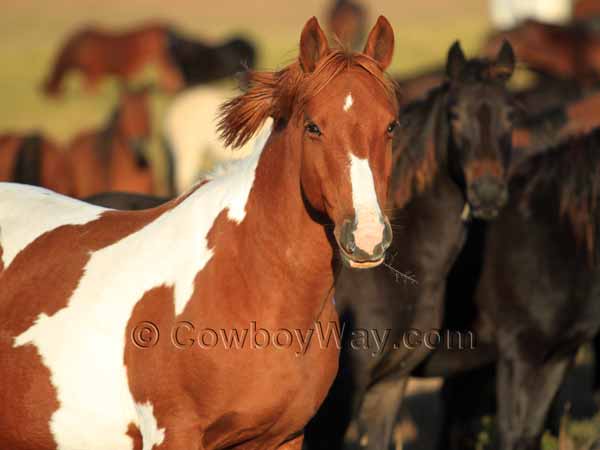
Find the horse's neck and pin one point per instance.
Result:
(288, 239)
(431, 220)
(275, 243)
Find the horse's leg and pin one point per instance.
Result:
(377, 415)
(467, 398)
(596, 387)
(524, 393)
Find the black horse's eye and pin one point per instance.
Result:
(312, 129)
(392, 126)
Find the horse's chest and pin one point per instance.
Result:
(278, 388)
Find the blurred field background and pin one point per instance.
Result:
(32, 32)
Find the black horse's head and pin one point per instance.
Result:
(480, 113)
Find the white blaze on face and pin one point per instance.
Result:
(369, 220)
(348, 102)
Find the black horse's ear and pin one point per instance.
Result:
(456, 61)
(504, 66)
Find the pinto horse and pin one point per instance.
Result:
(81, 287)
(202, 63)
(567, 52)
(451, 148)
(34, 159)
(97, 53)
(113, 158)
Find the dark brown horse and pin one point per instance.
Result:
(34, 159)
(97, 53)
(567, 52)
(114, 157)
(106, 316)
(451, 150)
(347, 21)
(465, 405)
(539, 293)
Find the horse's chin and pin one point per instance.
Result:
(485, 213)
(353, 264)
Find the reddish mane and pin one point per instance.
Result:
(283, 93)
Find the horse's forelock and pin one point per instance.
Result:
(284, 93)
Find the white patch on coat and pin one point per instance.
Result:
(348, 102)
(45, 211)
(83, 344)
(151, 434)
(369, 220)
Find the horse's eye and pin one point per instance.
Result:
(312, 129)
(392, 126)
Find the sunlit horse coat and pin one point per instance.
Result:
(82, 288)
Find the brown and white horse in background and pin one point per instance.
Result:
(257, 243)
(114, 158)
(97, 53)
(34, 159)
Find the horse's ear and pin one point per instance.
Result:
(313, 45)
(380, 43)
(504, 66)
(456, 61)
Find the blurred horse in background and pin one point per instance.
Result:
(98, 53)
(539, 293)
(34, 159)
(532, 298)
(202, 63)
(114, 158)
(586, 10)
(465, 407)
(565, 52)
(190, 133)
(347, 21)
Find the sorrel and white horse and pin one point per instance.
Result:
(258, 244)
(190, 131)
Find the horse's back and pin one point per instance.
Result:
(27, 212)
